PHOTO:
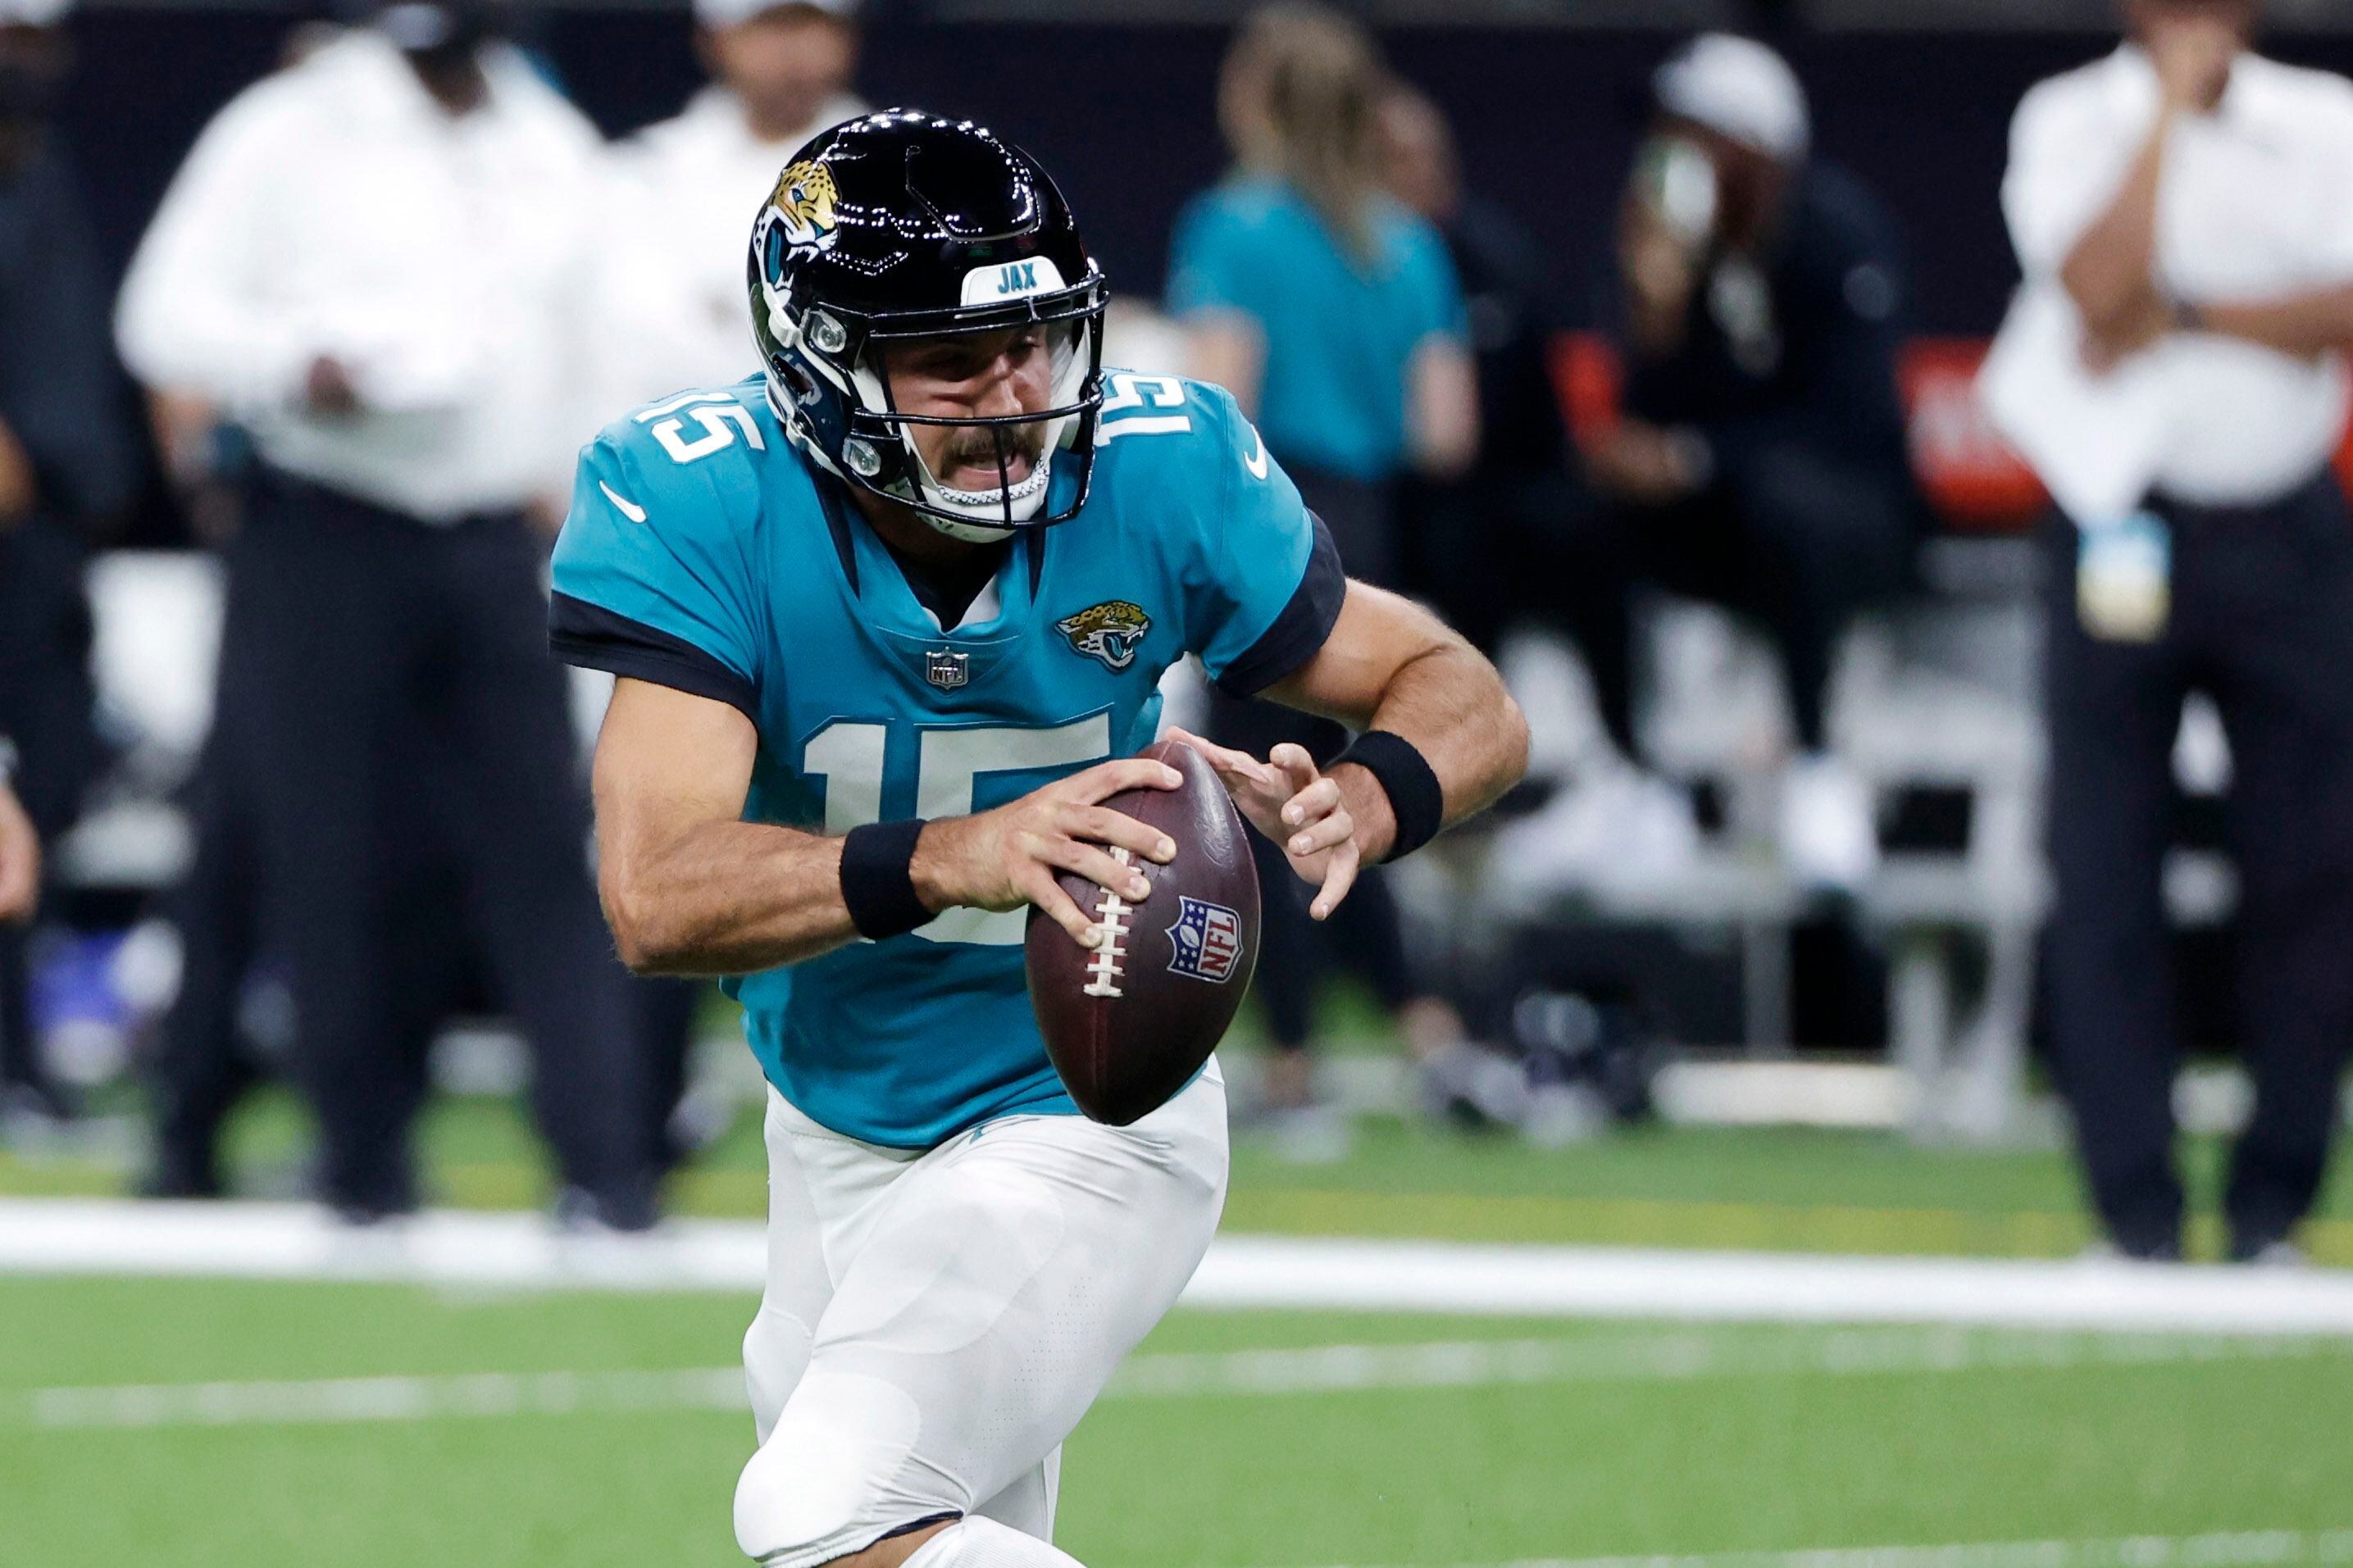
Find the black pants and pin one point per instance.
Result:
(405, 680)
(46, 705)
(201, 1067)
(1501, 550)
(1798, 540)
(663, 1010)
(1364, 934)
(2263, 623)
(204, 1065)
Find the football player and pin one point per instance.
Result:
(889, 619)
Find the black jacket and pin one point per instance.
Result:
(61, 392)
(1798, 346)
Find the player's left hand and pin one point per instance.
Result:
(1295, 805)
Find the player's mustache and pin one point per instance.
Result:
(981, 446)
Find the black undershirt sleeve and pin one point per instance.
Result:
(1302, 627)
(594, 637)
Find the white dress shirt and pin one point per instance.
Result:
(445, 260)
(2254, 202)
(676, 310)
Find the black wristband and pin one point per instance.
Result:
(1415, 798)
(877, 883)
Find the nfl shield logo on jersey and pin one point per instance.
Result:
(1209, 941)
(946, 669)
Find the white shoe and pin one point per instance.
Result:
(1829, 839)
(1616, 826)
(1466, 1083)
(1563, 1114)
(2279, 1255)
(1311, 1135)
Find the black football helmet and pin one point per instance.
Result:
(902, 225)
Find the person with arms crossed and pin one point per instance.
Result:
(888, 620)
(2175, 370)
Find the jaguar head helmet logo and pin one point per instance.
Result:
(803, 202)
(1110, 632)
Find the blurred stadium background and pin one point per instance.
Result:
(1761, 1249)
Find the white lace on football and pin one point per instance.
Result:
(1105, 968)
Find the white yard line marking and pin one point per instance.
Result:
(521, 1251)
(2239, 1549)
(1676, 1356)
(1627, 1283)
(374, 1399)
(1327, 1369)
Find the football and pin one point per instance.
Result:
(1128, 1024)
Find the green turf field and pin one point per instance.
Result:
(1631, 1438)
(1680, 1447)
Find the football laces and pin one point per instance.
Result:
(1105, 968)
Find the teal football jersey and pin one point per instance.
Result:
(703, 552)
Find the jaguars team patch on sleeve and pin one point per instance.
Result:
(1111, 631)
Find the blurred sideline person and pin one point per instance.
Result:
(1762, 461)
(1332, 314)
(1511, 317)
(69, 462)
(674, 314)
(371, 261)
(1521, 537)
(2175, 368)
(202, 1066)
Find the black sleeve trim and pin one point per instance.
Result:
(1302, 627)
(594, 638)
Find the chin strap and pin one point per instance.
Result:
(1022, 491)
(988, 522)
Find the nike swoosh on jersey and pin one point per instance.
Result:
(1256, 461)
(636, 513)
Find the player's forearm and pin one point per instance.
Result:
(725, 898)
(2303, 326)
(1450, 704)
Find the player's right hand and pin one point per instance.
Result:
(1004, 858)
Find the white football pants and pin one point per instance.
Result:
(936, 1324)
